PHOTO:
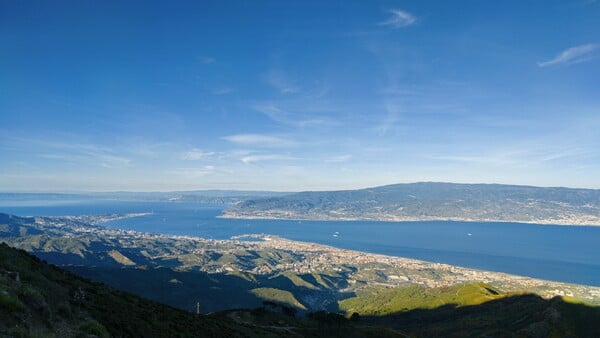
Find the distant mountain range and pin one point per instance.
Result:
(197, 196)
(432, 201)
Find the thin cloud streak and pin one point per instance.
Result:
(339, 159)
(207, 60)
(515, 157)
(259, 140)
(271, 157)
(277, 79)
(573, 55)
(73, 152)
(296, 120)
(223, 91)
(193, 172)
(399, 19)
(196, 154)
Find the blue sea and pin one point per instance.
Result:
(560, 253)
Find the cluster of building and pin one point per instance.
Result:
(279, 255)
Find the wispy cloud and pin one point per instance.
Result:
(207, 60)
(399, 19)
(573, 55)
(223, 91)
(88, 157)
(390, 120)
(196, 154)
(194, 172)
(293, 119)
(339, 159)
(72, 152)
(279, 80)
(259, 140)
(100, 157)
(516, 157)
(268, 157)
(111, 161)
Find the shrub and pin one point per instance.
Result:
(31, 296)
(10, 303)
(64, 310)
(94, 328)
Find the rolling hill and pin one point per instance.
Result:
(37, 299)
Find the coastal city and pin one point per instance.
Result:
(263, 254)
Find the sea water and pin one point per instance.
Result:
(559, 253)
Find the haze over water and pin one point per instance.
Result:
(560, 253)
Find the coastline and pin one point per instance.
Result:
(555, 222)
(359, 269)
(100, 219)
(397, 271)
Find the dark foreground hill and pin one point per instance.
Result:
(40, 300)
(432, 201)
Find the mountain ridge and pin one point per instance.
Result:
(432, 201)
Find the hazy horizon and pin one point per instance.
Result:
(151, 96)
(265, 190)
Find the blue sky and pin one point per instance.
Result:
(308, 95)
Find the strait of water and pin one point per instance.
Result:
(561, 253)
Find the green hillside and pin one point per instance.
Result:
(39, 300)
(383, 301)
(278, 296)
(473, 310)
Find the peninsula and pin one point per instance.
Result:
(427, 201)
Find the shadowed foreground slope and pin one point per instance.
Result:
(520, 316)
(37, 299)
(41, 300)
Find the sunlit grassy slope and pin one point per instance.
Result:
(278, 296)
(382, 301)
(473, 310)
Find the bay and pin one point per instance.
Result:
(560, 253)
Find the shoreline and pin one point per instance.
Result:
(277, 242)
(270, 241)
(411, 219)
(359, 269)
(263, 240)
(99, 219)
(450, 274)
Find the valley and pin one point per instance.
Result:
(222, 274)
(39, 299)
